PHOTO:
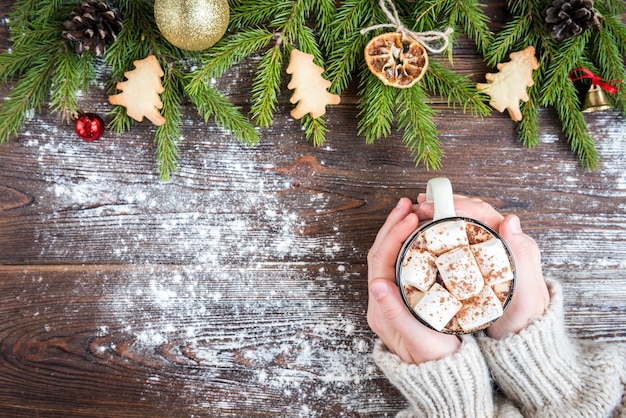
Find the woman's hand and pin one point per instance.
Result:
(387, 315)
(531, 297)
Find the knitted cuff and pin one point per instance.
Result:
(455, 386)
(548, 374)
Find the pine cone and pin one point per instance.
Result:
(566, 19)
(93, 25)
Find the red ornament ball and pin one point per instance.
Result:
(89, 126)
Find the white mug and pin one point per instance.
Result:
(456, 274)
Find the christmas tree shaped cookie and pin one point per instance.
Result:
(140, 93)
(309, 86)
(507, 87)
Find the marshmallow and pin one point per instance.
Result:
(476, 233)
(453, 326)
(419, 269)
(479, 310)
(437, 307)
(460, 273)
(445, 236)
(412, 295)
(493, 261)
(502, 290)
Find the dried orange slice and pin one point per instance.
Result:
(397, 60)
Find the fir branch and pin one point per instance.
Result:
(376, 107)
(314, 129)
(167, 136)
(131, 45)
(136, 40)
(31, 39)
(265, 87)
(415, 117)
(27, 97)
(603, 50)
(377, 102)
(475, 22)
(308, 44)
(31, 59)
(608, 52)
(17, 61)
(68, 78)
(428, 14)
(350, 17)
(556, 79)
(617, 29)
(22, 13)
(291, 30)
(347, 54)
(458, 89)
(253, 13)
(611, 7)
(213, 104)
(344, 60)
(528, 127)
(288, 20)
(575, 128)
(325, 11)
(465, 14)
(508, 39)
(34, 21)
(119, 122)
(228, 52)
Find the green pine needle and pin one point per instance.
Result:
(47, 73)
(315, 129)
(377, 102)
(343, 62)
(528, 127)
(325, 11)
(167, 136)
(376, 107)
(266, 86)
(415, 117)
(68, 78)
(468, 14)
(575, 128)
(458, 89)
(508, 40)
(253, 13)
(213, 104)
(26, 98)
(230, 51)
(600, 49)
(556, 73)
(609, 53)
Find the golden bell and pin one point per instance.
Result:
(595, 100)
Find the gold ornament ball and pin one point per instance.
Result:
(193, 25)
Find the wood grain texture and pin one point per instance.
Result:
(240, 287)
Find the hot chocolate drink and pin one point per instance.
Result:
(456, 275)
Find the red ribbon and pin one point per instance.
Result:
(595, 80)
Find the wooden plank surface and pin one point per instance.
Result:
(240, 286)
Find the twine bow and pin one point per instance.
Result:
(427, 39)
(595, 80)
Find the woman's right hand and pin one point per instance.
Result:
(530, 298)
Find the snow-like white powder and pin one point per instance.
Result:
(223, 246)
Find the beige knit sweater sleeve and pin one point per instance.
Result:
(546, 373)
(541, 372)
(454, 386)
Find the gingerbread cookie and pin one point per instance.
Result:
(309, 86)
(507, 87)
(140, 93)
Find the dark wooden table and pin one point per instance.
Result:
(240, 286)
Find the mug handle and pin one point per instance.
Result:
(439, 191)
